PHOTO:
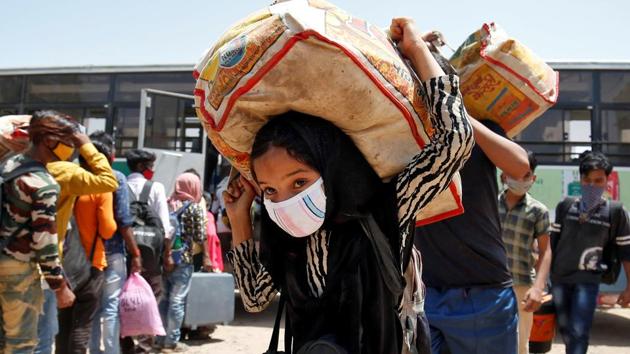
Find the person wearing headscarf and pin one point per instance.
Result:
(335, 239)
(188, 221)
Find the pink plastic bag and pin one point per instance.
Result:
(139, 313)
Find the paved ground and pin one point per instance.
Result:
(250, 333)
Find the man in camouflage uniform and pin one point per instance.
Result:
(28, 234)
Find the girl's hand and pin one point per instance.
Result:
(412, 45)
(404, 32)
(238, 200)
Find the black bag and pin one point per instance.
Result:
(77, 266)
(147, 230)
(273, 343)
(32, 166)
(320, 346)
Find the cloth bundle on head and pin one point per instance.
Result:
(13, 134)
(187, 188)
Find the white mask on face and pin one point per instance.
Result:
(518, 187)
(302, 214)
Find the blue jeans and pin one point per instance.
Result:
(48, 325)
(115, 275)
(472, 320)
(575, 307)
(176, 285)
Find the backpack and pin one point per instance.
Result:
(31, 166)
(609, 254)
(178, 247)
(148, 230)
(77, 266)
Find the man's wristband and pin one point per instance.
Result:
(135, 253)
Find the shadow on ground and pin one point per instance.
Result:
(201, 342)
(611, 328)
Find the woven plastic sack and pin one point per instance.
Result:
(312, 57)
(139, 313)
(13, 134)
(503, 80)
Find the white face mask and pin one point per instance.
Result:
(302, 214)
(518, 187)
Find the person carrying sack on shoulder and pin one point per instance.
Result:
(335, 238)
(28, 233)
(590, 240)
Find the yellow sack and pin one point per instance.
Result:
(503, 80)
(312, 57)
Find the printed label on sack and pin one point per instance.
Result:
(487, 94)
(237, 58)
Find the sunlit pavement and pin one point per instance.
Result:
(250, 333)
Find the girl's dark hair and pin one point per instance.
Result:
(51, 123)
(279, 132)
(590, 161)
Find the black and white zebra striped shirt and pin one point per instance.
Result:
(428, 174)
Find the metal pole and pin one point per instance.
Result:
(144, 104)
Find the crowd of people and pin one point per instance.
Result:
(337, 243)
(58, 216)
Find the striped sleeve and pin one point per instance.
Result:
(433, 168)
(254, 282)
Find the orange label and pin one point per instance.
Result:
(487, 94)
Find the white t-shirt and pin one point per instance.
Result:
(157, 199)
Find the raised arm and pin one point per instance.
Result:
(100, 177)
(505, 154)
(254, 281)
(431, 171)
